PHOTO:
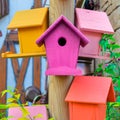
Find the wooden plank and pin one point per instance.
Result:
(58, 88)
(61, 7)
(36, 71)
(79, 3)
(15, 63)
(20, 79)
(37, 3)
(59, 85)
(12, 36)
(3, 72)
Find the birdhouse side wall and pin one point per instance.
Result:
(62, 47)
(87, 111)
(28, 35)
(94, 38)
(94, 41)
(27, 38)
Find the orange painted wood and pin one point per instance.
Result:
(91, 89)
(88, 96)
(83, 111)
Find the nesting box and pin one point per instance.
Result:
(92, 24)
(87, 97)
(30, 24)
(62, 41)
(38, 111)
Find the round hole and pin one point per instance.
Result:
(62, 41)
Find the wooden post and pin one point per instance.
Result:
(61, 7)
(59, 85)
(58, 88)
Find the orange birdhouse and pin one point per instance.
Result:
(30, 25)
(88, 96)
(92, 24)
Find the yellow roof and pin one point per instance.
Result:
(28, 18)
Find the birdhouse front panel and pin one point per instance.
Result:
(63, 50)
(84, 111)
(28, 38)
(62, 42)
(93, 24)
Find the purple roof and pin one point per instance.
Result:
(84, 39)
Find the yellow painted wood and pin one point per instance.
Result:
(58, 88)
(14, 55)
(28, 18)
(30, 24)
(61, 7)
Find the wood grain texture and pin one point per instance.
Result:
(61, 7)
(37, 71)
(3, 65)
(58, 88)
(37, 3)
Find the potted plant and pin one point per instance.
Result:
(111, 68)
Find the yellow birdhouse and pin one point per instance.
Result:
(30, 25)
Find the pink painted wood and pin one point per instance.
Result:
(92, 24)
(62, 42)
(16, 113)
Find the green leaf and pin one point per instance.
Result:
(25, 112)
(13, 105)
(17, 96)
(38, 116)
(3, 106)
(114, 46)
(10, 100)
(23, 118)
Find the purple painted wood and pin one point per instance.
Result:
(62, 42)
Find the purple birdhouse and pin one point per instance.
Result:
(62, 42)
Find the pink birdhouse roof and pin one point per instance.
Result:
(94, 21)
(91, 89)
(62, 20)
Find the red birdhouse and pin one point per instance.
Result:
(88, 96)
(92, 24)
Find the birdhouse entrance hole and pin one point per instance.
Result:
(62, 41)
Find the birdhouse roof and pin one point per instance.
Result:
(91, 89)
(95, 21)
(28, 18)
(62, 20)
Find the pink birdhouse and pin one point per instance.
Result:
(38, 111)
(87, 97)
(92, 24)
(62, 42)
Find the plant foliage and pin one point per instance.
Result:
(111, 68)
